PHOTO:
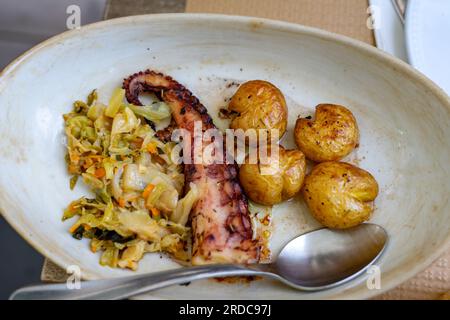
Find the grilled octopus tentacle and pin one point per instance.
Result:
(221, 225)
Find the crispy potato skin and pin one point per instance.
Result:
(284, 181)
(259, 105)
(330, 137)
(340, 195)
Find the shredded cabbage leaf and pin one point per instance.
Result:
(155, 112)
(136, 208)
(181, 213)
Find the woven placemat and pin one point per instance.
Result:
(347, 17)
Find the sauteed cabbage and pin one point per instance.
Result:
(137, 206)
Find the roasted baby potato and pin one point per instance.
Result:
(272, 183)
(332, 135)
(340, 195)
(258, 104)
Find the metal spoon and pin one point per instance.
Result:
(316, 260)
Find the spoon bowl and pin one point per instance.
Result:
(326, 258)
(314, 261)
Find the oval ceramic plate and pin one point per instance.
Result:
(404, 120)
(427, 28)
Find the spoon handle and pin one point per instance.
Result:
(121, 288)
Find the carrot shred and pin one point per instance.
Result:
(100, 173)
(155, 212)
(151, 147)
(73, 228)
(122, 202)
(148, 189)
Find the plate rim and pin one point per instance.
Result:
(412, 9)
(414, 22)
(398, 275)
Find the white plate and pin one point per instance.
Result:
(388, 29)
(403, 118)
(427, 31)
